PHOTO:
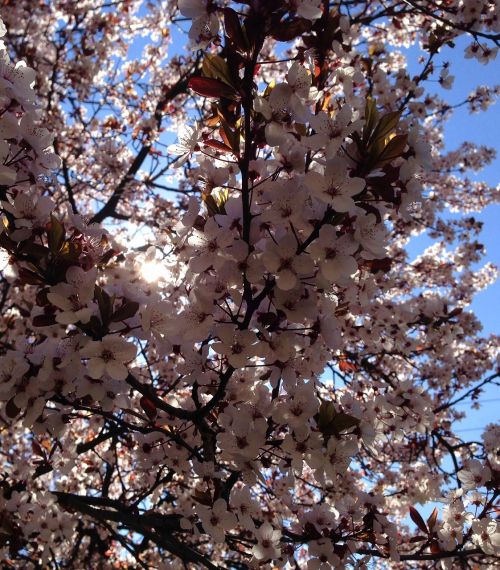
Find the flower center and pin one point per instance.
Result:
(107, 355)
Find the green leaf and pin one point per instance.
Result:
(215, 203)
(371, 117)
(331, 422)
(216, 68)
(125, 311)
(105, 304)
(56, 234)
(386, 125)
(393, 149)
(326, 414)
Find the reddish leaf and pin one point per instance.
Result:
(34, 250)
(37, 449)
(418, 520)
(202, 497)
(44, 320)
(266, 375)
(209, 87)
(396, 22)
(346, 366)
(7, 243)
(125, 311)
(107, 256)
(431, 521)
(41, 298)
(42, 469)
(234, 31)
(435, 548)
(223, 136)
(11, 409)
(149, 408)
(311, 530)
(287, 31)
(30, 277)
(376, 265)
(341, 549)
(230, 137)
(366, 536)
(218, 145)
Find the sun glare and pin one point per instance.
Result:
(154, 271)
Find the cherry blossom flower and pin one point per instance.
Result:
(474, 475)
(73, 297)
(371, 236)
(155, 317)
(300, 407)
(188, 137)
(209, 246)
(334, 186)
(296, 372)
(282, 261)
(286, 205)
(299, 79)
(39, 141)
(12, 367)
(481, 51)
(285, 102)
(267, 547)
(331, 131)
(17, 80)
(308, 9)
(30, 212)
(109, 356)
(204, 25)
(236, 345)
(334, 254)
(324, 556)
(216, 520)
(486, 534)
(245, 506)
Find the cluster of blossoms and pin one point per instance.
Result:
(219, 353)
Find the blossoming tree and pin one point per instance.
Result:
(216, 352)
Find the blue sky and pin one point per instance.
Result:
(482, 129)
